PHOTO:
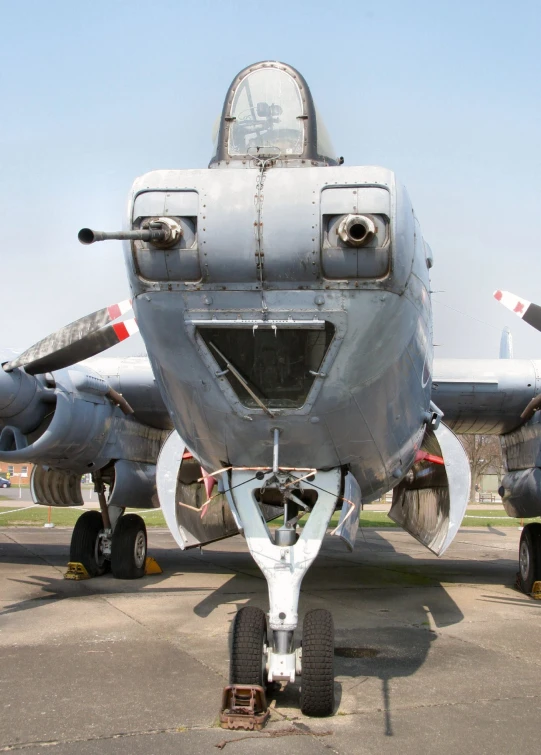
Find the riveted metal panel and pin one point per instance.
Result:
(340, 261)
(181, 262)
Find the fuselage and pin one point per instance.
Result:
(263, 318)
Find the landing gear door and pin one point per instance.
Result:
(431, 502)
(348, 523)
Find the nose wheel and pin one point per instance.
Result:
(284, 562)
(248, 647)
(317, 680)
(249, 657)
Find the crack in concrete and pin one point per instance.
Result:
(422, 706)
(296, 729)
(102, 738)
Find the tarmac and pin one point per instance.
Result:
(432, 655)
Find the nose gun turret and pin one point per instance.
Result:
(160, 232)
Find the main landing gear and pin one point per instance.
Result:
(109, 540)
(529, 557)
(263, 652)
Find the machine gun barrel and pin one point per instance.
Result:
(163, 233)
(88, 236)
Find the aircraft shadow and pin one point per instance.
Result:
(400, 642)
(387, 605)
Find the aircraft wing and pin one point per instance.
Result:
(484, 396)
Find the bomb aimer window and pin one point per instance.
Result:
(267, 116)
(274, 367)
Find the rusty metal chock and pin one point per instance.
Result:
(244, 706)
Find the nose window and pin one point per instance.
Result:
(277, 366)
(267, 115)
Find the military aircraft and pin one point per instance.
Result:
(284, 301)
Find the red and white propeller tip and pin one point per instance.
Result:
(125, 329)
(117, 310)
(526, 310)
(84, 338)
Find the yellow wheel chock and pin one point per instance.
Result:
(76, 571)
(536, 591)
(152, 566)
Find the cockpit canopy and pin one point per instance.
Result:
(269, 113)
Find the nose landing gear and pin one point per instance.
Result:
(253, 661)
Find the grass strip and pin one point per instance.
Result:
(37, 516)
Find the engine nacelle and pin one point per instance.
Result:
(521, 486)
(68, 424)
(131, 483)
(521, 493)
(24, 401)
(71, 431)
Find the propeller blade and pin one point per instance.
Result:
(81, 339)
(530, 313)
(86, 347)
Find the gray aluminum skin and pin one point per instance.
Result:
(484, 396)
(367, 412)
(132, 377)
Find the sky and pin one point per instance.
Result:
(446, 94)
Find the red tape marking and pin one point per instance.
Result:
(121, 331)
(114, 311)
(424, 456)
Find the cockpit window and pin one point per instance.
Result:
(267, 116)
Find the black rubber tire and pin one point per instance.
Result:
(529, 563)
(128, 535)
(83, 543)
(249, 636)
(317, 679)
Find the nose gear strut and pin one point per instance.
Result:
(284, 559)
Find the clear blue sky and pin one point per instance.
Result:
(447, 94)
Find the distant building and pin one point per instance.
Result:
(16, 472)
(491, 480)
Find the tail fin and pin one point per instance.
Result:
(506, 344)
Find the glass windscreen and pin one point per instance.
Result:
(267, 112)
(278, 366)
